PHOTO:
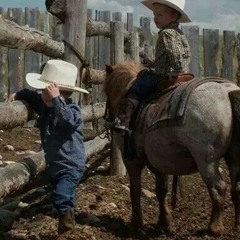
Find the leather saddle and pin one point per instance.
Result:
(174, 81)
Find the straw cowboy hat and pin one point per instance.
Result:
(178, 5)
(55, 71)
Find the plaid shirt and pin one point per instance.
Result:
(172, 53)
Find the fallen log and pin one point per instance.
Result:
(14, 114)
(14, 177)
(97, 76)
(93, 112)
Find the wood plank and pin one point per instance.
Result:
(104, 52)
(117, 56)
(210, 50)
(15, 56)
(16, 113)
(24, 173)
(192, 34)
(74, 32)
(3, 88)
(147, 37)
(32, 59)
(229, 42)
(14, 36)
(238, 59)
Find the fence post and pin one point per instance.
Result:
(74, 32)
(229, 41)
(134, 46)
(210, 50)
(117, 17)
(46, 28)
(147, 41)
(103, 51)
(3, 89)
(15, 56)
(117, 56)
(133, 43)
(192, 34)
(238, 58)
(32, 59)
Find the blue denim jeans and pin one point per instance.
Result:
(144, 86)
(64, 190)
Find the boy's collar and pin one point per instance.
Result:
(170, 25)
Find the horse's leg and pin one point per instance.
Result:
(217, 189)
(234, 171)
(165, 220)
(134, 169)
(232, 160)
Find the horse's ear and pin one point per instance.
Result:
(109, 69)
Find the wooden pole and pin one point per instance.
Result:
(16, 113)
(117, 56)
(14, 177)
(74, 32)
(147, 42)
(134, 46)
(192, 34)
(3, 88)
(238, 58)
(15, 56)
(229, 42)
(32, 59)
(14, 36)
(210, 50)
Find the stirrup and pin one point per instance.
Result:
(122, 129)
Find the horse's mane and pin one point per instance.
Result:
(120, 80)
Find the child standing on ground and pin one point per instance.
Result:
(60, 124)
(172, 57)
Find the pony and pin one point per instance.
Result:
(210, 132)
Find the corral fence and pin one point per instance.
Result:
(214, 53)
(108, 40)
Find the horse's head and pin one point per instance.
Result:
(119, 78)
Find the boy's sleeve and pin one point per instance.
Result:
(68, 115)
(175, 50)
(32, 98)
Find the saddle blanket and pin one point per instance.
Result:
(168, 108)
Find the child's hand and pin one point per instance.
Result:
(49, 93)
(53, 91)
(11, 98)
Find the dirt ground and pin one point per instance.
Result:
(103, 204)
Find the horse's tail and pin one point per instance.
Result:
(234, 149)
(232, 156)
(235, 103)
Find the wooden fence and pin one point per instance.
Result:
(213, 54)
(108, 41)
(15, 63)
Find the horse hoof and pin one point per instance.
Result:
(216, 231)
(138, 232)
(169, 230)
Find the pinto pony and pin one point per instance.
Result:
(210, 132)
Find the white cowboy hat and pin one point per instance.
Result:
(55, 71)
(178, 5)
